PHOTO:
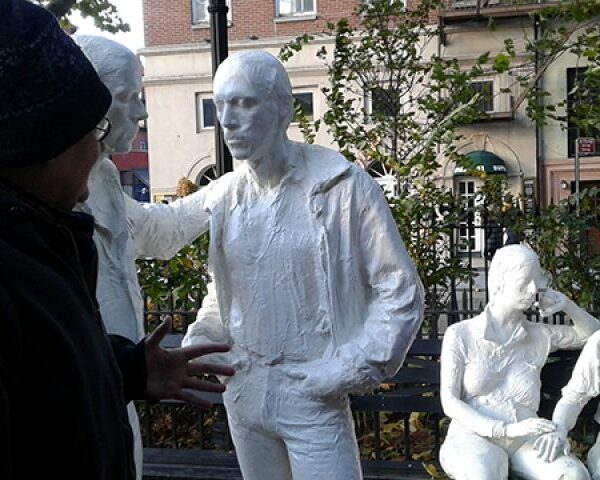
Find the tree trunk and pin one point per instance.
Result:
(60, 7)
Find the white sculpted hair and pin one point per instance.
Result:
(507, 260)
(266, 73)
(110, 59)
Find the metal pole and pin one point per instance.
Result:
(218, 34)
(577, 173)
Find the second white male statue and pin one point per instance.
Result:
(313, 286)
(124, 229)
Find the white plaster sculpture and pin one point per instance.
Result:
(490, 376)
(312, 284)
(582, 387)
(124, 229)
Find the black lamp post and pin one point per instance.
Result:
(218, 31)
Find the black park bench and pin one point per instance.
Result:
(413, 394)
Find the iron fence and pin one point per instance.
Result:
(403, 419)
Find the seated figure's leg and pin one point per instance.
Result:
(468, 456)
(527, 465)
(593, 459)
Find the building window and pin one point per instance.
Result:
(206, 176)
(304, 103)
(385, 177)
(290, 8)
(579, 99)
(382, 103)
(469, 225)
(143, 147)
(200, 14)
(205, 113)
(485, 89)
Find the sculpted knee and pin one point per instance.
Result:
(576, 472)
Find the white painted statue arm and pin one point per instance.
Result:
(582, 387)
(584, 325)
(451, 377)
(208, 328)
(395, 310)
(161, 230)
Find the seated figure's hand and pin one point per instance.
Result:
(529, 427)
(551, 301)
(552, 445)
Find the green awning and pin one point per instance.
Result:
(483, 161)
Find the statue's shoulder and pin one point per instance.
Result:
(321, 154)
(326, 164)
(464, 328)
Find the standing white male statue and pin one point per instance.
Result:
(314, 288)
(490, 376)
(124, 229)
(582, 387)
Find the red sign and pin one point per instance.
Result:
(586, 146)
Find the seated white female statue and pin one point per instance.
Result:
(490, 376)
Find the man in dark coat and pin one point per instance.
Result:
(64, 383)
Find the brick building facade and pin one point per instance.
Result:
(172, 23)
(178, 85)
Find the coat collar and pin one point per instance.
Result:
(315, 168)
(484, 331)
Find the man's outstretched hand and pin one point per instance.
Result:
(172, 375)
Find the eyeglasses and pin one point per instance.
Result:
(102, 130)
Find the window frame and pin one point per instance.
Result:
(206, 23)
(305, 92)
(301, 14)
(483, 101)
(200, 98)
(477, 225)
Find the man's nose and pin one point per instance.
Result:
(228, 118)
(139, 111)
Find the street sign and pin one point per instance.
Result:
(586, 146)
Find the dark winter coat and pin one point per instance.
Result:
(62, 394)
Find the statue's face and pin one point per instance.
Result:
(248, 116)
(126, 110)
(520, 286)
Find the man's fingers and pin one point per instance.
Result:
(196, 351)
(160, 332)
(199, 369)
(194, 383)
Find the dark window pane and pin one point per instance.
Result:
(486, 91)
(305, 102)
(208, 113)
(382, 102)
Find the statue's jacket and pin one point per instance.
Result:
(125, 230)
(63, 386)
(374, 298)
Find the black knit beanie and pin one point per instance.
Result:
(50, 94)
